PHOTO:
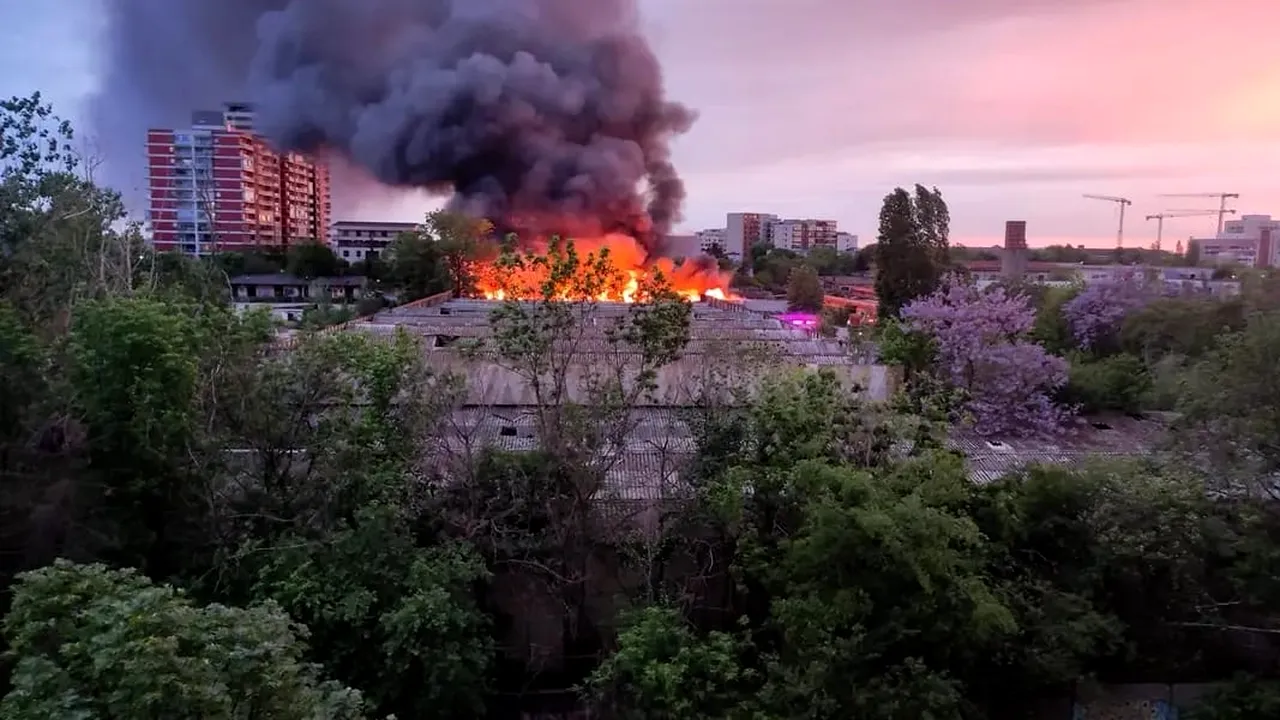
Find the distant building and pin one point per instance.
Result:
(355, 241)
(1248, 241)
(1014, 255)
(1250, 226)
(217, 187)
(846, 242)
(715, 237)
(743, 230)
(985, 273)
(287, 296)
(681, 246)
(803, 235)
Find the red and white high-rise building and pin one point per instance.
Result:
(218, 187)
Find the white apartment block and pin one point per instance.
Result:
(715, 237)
(357, 241)
(803, 235)
(846, 242)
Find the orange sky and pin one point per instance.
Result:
(817, 108)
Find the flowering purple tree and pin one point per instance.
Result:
(983, 350)
(1095, 315)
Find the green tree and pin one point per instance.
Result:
(461, 241)
(804, 290)
(311, 260)
(1230, 407)
(1183, 327)
(415, 267)
(1052, 329)
(773, 269)
(97, 643)
(1118, 383)
(663, 670)
(133, 371)
(1245, 697)
(333, 525)
(1192, 256)
(877, 591)
(934, 221)
(910, 249)
(59, 237)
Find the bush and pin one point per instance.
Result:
(1118, 383)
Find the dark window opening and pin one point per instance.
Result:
(508, 431)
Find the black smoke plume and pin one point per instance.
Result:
(545, 115)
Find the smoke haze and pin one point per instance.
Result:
(545, 115)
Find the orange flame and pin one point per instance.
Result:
(627, 260)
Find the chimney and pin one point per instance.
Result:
(1013, 262)
(1264, 249)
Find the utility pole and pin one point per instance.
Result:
(1222, 203)
(1159, 218)
(1122, 202)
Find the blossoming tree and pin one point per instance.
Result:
(983, 349)
(1097, 312)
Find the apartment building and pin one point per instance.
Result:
(846, 242)
(355, 241)
(743, 230)
(715, 238)
(218, 187)
(803, 235)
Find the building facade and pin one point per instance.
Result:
(803, 235)
(1248, 241)
(846, 242)
(1228, 251)
(743, 230)
(715, 238)
(217, 187)
(358, 241)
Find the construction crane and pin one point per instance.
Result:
(1222, 203)
(1122, 202)
(1159, 218)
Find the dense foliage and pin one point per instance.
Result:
(202, 519)
(983, 349)
(912, 249)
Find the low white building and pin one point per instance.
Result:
(846, 242)
(356, 241)
(287, 296)
(985, 273)
(1249, 241)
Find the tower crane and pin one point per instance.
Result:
(1222, 203)
(1122, 202)
(1159, 218)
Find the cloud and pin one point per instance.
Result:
(819, 107)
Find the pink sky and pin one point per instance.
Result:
(817, 108)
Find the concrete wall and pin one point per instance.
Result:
(681, 383)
